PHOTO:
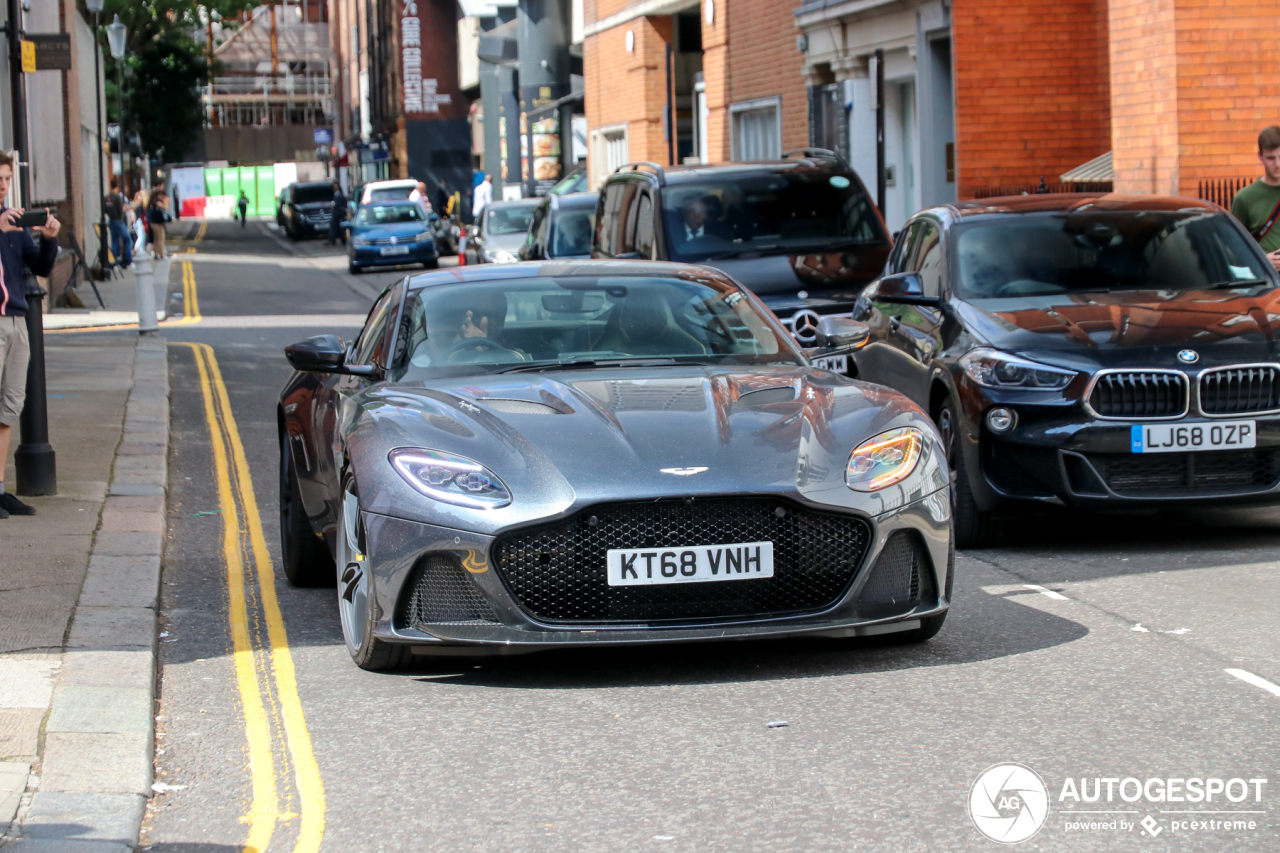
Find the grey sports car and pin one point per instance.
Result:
(543, 455)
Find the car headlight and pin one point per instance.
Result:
(499, 256)
(883, 460)
(449, 478)
(424, 237)
(361, 241)
(995, 369)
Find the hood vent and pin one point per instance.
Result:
(519, 407)
(765, 396)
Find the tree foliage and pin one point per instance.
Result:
(163, 68)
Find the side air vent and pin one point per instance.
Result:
(442, 594)
(765, 396)
(519, 407)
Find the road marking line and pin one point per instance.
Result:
(307, 771)
(262, 812)
(1056, 596)
(190, 298)
(204, 226)
(1256, 680)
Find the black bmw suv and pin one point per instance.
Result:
(1100, 351)
(800, 232)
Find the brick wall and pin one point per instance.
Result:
(1031, 88)
(1144, 112)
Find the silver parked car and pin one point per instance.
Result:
(544, 455)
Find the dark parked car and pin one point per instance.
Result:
(391, 233)
(561, 228)
(800, 232)
(1100, 351)
(552, 455)
(305, 209)
(502, 230)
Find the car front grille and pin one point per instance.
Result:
(1240, 390)
(1182, 474)
(391, 241)
(900, 579)
(557, 572)
(1140, 394)
(442, 594)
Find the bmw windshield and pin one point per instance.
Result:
(531, 324)
(1049, 254)
(741, 214)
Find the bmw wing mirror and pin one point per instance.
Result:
(903, 288)
(323, 354)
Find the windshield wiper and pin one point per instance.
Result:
(579, 363)
(1248, 282)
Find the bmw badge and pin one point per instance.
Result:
(1188, 356)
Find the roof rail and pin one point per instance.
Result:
(657, 170)
(817, 152)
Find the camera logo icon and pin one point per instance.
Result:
(1009, 803)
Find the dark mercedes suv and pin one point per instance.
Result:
(801, 232)
(1100, 351)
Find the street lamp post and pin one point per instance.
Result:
(95, 6)
(116, 40)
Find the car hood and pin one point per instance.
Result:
(564, 440)
(397, 229)
(507, 242)
(777, 279)
(1132, 328)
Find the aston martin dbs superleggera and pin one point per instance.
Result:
(540, 455)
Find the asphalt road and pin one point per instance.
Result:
(1086, 648)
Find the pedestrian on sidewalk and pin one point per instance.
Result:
(243, 204)
(141, 228)
(483, 196)
(1257, 206)
(117, 205)
(17, 249)
(337, 216)
(440, 201)
(157, 215)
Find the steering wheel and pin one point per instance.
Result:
(475, 345)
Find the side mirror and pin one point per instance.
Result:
(904, 288)
(323, 354)
(840, 332)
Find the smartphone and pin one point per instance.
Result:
(32, 219)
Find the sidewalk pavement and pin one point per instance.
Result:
(78, 596)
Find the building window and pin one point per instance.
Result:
(609, 150)
(757, 129)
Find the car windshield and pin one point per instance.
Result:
(757, 213)
(387, 214)
(1096, 250)
(311, 193)
(390, 193)
(546, 322)
(571, 234)
(508, 220)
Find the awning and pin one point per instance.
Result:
(1097, 169)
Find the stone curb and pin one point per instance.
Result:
(100, 734)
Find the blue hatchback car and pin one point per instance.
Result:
(391, 233)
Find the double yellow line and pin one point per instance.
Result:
(190, 298)
(265, 676)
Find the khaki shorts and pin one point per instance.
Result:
(15, 352)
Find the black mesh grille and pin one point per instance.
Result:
(1183, 473)
(899, 580)
(557, 572)
(444, 595)
(1240, 390)
(1140, 394)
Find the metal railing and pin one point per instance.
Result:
(308, 87)
(1222, 191)
(1043, 188)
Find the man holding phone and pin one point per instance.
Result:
(1257, 206)
(17, 249)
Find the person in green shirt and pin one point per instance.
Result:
(1255, 205)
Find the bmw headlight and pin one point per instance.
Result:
(449, 478)
(883, 460)
(995, 369)
(424, 237)
(361, 241)
(499, 256)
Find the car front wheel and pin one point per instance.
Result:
(356, 606)
(972, 527)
